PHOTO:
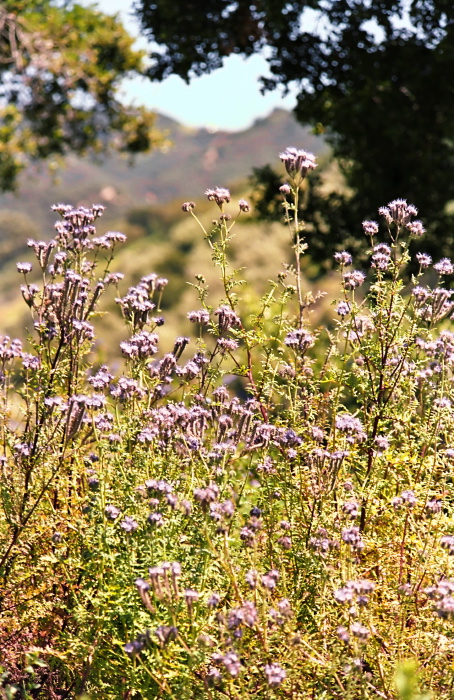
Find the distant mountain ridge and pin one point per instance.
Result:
(197, 159)
(144, 201)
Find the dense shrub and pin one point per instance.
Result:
(265, 511)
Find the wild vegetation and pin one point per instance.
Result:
(262, 510)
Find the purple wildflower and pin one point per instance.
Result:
(408, 498)
(214, 600)
(112, 512)
(227, 318)
(141, 346)
(299, 339)
(353, 279)
(342, 633)
(421, 294)
(24, 267)
(351, 427)
(228, 344)
(129, 524)
(381, 257)
(416, 228)
(398, 212)
(166, 634)
(275, 674)
(382, 444)
(202, 316)
(433, 506)
(219, 194)
(343, 308)
(370, 228)
(30, 361)
(101, 379)
(350, 508)
(352, 537)
(444, 267)
(297, 162)
(360, 632)
(230, 661)
(424, 260)
(270, 579)
(252, 578)
(343, 258)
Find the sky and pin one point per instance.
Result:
(228, 99)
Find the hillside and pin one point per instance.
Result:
(143, 201)
(194, 160)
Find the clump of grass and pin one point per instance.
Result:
(263, 512)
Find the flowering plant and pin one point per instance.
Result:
(165, 536)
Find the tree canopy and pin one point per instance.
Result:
(372, 76)
(60, 68)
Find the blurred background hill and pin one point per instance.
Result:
(190, 161)
(144, 200)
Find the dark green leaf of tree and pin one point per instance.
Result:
(374, 77)
(60, 69)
